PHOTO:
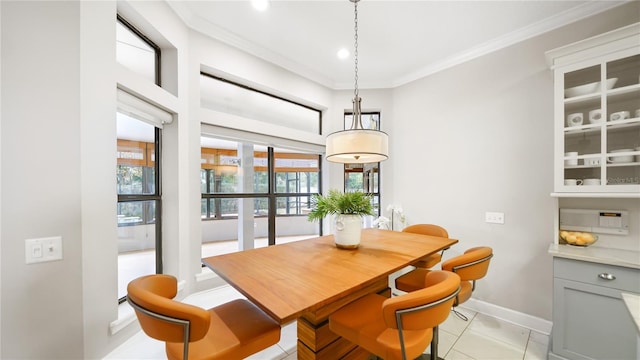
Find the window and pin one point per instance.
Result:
(136, 52)
(295, 173)
(364, 177)
(255, 193)
(236, 99)
(139, 200)
(227, 195)
(138, 171)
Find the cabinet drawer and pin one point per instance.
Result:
(616, 277)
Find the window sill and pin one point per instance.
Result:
(206, 274)
(126, 317)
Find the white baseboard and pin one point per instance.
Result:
(531, 322)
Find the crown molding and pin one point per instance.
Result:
(197, 23)
(213, 31)
(559, 20)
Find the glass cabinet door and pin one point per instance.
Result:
(601, 130)
(623, 125)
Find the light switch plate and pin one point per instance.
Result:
(43, 249)
(494, 217)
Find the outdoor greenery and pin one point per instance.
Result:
(336, 202)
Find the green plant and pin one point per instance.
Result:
(336, 202)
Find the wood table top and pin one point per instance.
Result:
(288, 279)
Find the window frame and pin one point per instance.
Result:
(155, 158)
(143, 37)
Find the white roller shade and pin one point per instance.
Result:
(139, 109)
(259, 139)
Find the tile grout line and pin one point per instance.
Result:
(526, 347)
(459, 336)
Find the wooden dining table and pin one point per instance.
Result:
(307, 280)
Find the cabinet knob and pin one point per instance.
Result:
(606, 276)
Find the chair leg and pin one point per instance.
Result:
(434, 348)
(460, 315)
(434, 344)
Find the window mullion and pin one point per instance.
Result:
(158, 193)
(271, 190)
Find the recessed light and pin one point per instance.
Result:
(343, 54)
(260, 5)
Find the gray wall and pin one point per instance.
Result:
(479, 137)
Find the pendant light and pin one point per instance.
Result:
(357, 145)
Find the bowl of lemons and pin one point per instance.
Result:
(577, 238)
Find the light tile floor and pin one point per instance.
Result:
(482, 337)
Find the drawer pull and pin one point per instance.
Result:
(606, 276)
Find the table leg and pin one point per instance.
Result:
(317, 341)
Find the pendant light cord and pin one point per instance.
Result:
(357, 145)
(357, 112)
(355, 53)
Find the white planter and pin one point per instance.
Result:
(348, 229)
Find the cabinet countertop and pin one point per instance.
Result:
(617, 257)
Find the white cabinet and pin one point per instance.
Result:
(590, 319)
(597, 114)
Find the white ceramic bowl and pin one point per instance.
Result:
(620, 159)
(588, 88)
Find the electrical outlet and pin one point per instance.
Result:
(494, 217)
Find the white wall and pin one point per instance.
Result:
(479, 137)
(0, 176)
(94, 145)
(41, 303)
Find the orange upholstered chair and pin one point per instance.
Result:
(400, 327)
(428, 261)
(406, 282)
(233, 330)
(472, 265)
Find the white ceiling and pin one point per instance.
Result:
(399, 41)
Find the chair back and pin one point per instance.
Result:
(163, 318)
(428, 261)
(424, 308)
(427, 229)
(472, 265)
